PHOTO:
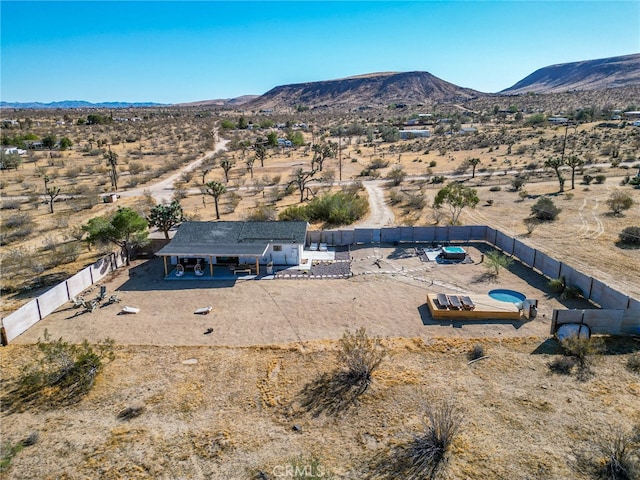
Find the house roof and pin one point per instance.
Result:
(232, 238)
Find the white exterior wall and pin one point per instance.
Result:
(289, 254)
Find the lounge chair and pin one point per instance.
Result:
(203, 310)
(77, 302)
(313, 247)
(103, 293)
(441, 301)
(132, 310)
(467, 303)
(89, 306)
(454, 302)
(323, 247)
(179, 270)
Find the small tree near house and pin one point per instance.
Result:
(457, 197)
(126, 229)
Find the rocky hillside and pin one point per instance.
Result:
(599, 74)
(374, 89)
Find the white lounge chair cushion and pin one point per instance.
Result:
(203, 310)
(130, 310)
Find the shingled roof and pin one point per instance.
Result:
(232, 238)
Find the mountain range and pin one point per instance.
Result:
(386, 88)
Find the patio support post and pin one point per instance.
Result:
(211, 265)
(165, 266)
(257, 266)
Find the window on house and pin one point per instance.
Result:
(277, 248)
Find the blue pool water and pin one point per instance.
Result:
(507, 296)
(453, 249)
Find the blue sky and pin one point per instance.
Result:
(173, 52)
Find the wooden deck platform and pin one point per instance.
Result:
(485, 307)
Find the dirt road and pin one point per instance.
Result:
(380, 215)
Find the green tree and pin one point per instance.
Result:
(126, 229)
(227, 124)
(49, 141)
(165, 217)
(296, 138)
(545, 210)
(112, 162)
(619, 201)
(535, 119)
(474, 162)
(242, 123)
(65, 143)
(216, 190)
(574, 163)
(556, 164)
(272, 139)
(457, 197)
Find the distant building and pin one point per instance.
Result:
(407, 134)
(558, 120)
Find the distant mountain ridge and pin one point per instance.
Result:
(366, 90)
(78, 104)
(612, 72)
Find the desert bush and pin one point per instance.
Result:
(429, 450)
(17, 220)
(495, 188)
(416, 201)
(8, 450)
(600, 179)
(633, 363)
(476, 352)
(583, 351)
(630, 236)
(395, 197)
(438, 179)
(135, 168)
(545, 210)
(562, 365)
(11, 204)
(619, 201)
(587, 179)
(63, 254)
(60, 374)
(617, 454)
(396, 175)
(262, 213)
(360, 355)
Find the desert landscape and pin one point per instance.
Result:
(260, 386)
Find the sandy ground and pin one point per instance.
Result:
(388, 300)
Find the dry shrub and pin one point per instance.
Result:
(633, 363)
(360, 355)
(476, 352)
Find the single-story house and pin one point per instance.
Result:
(235, 245)
(408, 134)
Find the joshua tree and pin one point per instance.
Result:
(474, 163)
(215, 189)
(250, 161)
(261, 150)
(301, 179)
(556, 163)
(112, 161)
(164, 217)
(51, 192)
(574, 162)
(226, 165)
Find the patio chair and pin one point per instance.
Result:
(198, 270)
(89, 306)
(313, 247)
(179, 270)
(467, 303)
(203, 310)
(441, 301)
(323, 247)
(77, 302)
(454, 302)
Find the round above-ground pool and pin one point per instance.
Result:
(504, 295)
